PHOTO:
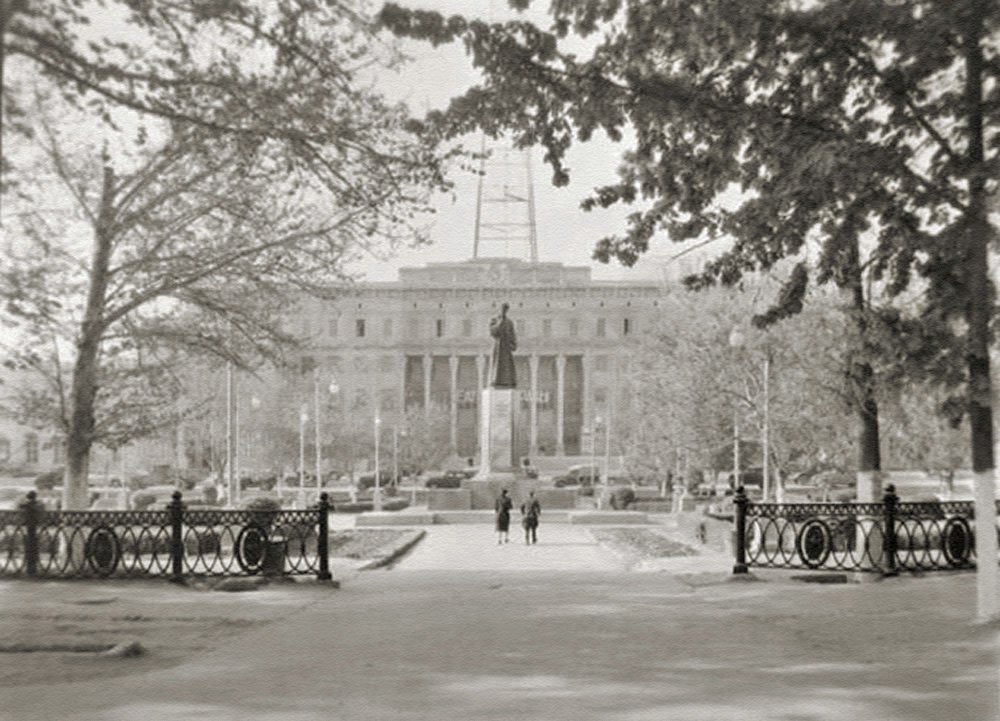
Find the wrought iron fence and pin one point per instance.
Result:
(174, 542)
(877, 537)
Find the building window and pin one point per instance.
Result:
(58, 450)
(439, 328)
(600, 395)
(467, 327)
(601, 327)
(601, 363)
(626, 326)
(387, 328)
(547, 327)
(359, 327)
(4, 449)
(334, 322)
(574, 327)
(31, 448)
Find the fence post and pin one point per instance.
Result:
(740, 504)
(323, 541)
(176, 508)
(32, 511)
(889, 501)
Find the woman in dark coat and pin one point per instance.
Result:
(503, 506)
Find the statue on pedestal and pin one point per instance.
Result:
(504, 345)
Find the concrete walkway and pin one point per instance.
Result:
(473, 547)
(463, 629)
(611, 646)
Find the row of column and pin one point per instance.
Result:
(482, 374)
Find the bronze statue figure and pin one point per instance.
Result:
(504, 345)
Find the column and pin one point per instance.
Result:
(480, 370)
(428, 359)
(453, 401)
(560, 395)
(533, 429)
(587, 363)
(480, 450)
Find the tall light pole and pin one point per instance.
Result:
(333, 388)
(607, 455)
(377, 496)
(593, 458)
(230, 429)
(765, 431)
(303, 419)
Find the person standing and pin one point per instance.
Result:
(531, 510)
(503, 507)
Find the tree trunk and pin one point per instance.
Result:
(80, 437)
(978, 313)
(869, 483)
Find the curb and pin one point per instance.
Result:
(395, 553)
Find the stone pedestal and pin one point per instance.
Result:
(496, 433)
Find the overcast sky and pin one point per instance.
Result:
(565, 233)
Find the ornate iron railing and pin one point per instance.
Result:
(876, 537)
(174, 542)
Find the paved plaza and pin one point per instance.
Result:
(464, 629)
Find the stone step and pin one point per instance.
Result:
(393, 518)
(427, 518)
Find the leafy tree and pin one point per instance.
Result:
(425, 437)
(245, 160)
(694, 385)
(844, 125)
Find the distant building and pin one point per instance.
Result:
(424, 339)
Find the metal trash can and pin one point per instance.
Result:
(274, 556)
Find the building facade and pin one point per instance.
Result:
(424, 341)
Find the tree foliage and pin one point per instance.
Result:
(212, 163)
(841, 125)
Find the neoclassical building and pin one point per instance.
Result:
(424, 340)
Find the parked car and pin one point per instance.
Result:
(448, 479)
(367, 480)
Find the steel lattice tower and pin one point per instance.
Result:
(505, 202)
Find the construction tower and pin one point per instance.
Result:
(505, 205)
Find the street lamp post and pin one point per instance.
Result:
(303, 419)
(593, 459)
(607, 456)
(230, 430)
(377, 495)
(333, 388)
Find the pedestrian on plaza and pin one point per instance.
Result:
(530, 511)
(503, 507)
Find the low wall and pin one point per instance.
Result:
(449, 499)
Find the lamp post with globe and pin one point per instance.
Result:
(377, 493)
(333, 388)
